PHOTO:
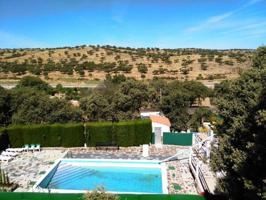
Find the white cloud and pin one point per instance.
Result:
(8, 40)
(210, 21)
(255, 34)
(219, 18)
(251, 2)
(214, 20)
(259, 25)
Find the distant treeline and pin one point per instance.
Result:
(33, 101)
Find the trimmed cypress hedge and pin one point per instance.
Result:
(127, 133)
(15, 135)
(56, 135)
(4, 141)
(98, 132)
(68, 135)
(143, 131)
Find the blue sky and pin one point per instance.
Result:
(217, 24)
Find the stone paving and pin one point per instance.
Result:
(28, 168)
(124, 153)
(180, 180)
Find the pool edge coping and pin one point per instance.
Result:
(37, 188)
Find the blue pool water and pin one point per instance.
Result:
(119, 177)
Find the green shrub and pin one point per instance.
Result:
(100, 194)
(142, 68)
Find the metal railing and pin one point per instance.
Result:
(198, 174)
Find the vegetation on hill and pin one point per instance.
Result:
(94, 62)
(241, 155)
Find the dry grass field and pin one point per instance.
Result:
(86, 64)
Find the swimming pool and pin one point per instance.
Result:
(118, 176)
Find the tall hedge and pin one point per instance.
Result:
(15, 135)
(97, 132)
(4, 140)
(127, 133)
(66, 135)
(143, 131)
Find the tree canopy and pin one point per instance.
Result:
(34, 82)
(120, 98)
(241, 152)
(177, 97)
(30, 106)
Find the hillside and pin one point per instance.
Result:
(85, 64)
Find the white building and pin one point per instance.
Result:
(160, 121)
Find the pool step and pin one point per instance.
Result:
(65, 170)
(69, 171)
(66, 180)
(70, 176)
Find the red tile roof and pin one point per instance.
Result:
(160, 119)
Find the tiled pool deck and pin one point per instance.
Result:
(27, 168)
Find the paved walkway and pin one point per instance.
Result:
(109, 155)
(27, 168)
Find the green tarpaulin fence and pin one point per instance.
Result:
(182, 139)
(47, 196)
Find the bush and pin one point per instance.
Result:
(100, 194)
(142, 68)
(203, 66)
